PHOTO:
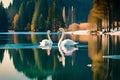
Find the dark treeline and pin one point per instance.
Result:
(41, 15)
(105, 14)
(3, 19)
(35, 15)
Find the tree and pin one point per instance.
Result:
(15, 21)
(3, 18)
(108, 11)
(57, 20)
(41, 23)
(25, 15)
(22, 20)
(41, 7)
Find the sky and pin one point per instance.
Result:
(6, 2)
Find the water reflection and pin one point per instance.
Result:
(30, 59)
(102, 45)
(85, 59)
(1, 55)
(66, 51)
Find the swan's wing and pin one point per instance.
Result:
(43, 42)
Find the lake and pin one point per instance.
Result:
(95, 57)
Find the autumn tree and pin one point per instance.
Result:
(107, 12)
(15, 21)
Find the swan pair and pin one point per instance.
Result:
(65, 45)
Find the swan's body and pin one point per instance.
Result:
(66, 42)
(47, 43)
(66, 47)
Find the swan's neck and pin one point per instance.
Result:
(60, 40)
(49, 37)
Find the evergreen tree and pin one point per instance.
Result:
(57, 20)
(22, 20)
(41, 23)
(3, 18)
(41, 7)
(16, 4)
(49, 18)
(25, 15)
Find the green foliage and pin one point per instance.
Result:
(49, 18)
(41, 23)
(16, 4)
(25, 15)
(41, 7)
(3, 18)
(57, 20)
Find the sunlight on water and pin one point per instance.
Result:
(7, 70)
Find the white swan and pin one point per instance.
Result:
(66, 42)
(47, 43)
(66, 47)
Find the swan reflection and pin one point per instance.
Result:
(66, 51)
(47, 43)
(66, 47)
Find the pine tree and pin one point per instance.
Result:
(41, 7)
(57, 20)
(3, 18)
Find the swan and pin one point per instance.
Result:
(66, 47)
(47, 43)
(66, 42)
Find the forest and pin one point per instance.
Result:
(41, 15)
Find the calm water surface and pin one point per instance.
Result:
(22, 58)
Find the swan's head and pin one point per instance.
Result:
(61, 29)
(48, 31)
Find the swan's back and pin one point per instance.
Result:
(45, 42)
